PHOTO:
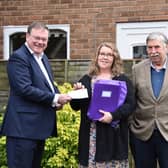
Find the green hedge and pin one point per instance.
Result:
(60, 152)
(2, 144)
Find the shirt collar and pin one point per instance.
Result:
(32, 52)
(163, 67)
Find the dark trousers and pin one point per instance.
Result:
(147, 153)
(24, 153)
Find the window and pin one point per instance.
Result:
(58, 44)
(139, 51)
(16, 40)
(131, 37)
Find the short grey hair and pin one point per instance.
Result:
(157, 36)
(37, 25)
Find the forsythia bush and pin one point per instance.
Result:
(3, 153)
(2, 144)
(60, 152)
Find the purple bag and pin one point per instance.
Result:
(108, 95)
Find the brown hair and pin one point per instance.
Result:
(117, 66)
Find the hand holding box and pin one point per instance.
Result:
(108, 95)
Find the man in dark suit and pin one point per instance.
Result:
(30, 117)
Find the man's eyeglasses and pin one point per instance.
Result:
(37, 38)
(108, 55)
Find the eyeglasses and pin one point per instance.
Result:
(37, 38)
(108, 55)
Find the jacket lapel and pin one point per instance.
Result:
(165, 83)
(147, 73)
(39, 71)
(47, 66)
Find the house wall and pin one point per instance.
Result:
(91, 21)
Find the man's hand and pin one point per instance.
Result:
(63, 99)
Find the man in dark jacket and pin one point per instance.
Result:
(30, 117)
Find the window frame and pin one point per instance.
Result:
(9, 30)
(129, 35)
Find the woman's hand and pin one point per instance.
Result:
(107, 117)
(78, 85)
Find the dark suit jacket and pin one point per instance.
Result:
(29, 111)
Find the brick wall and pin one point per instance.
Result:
(91, 21)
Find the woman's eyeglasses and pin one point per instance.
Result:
(108, 55)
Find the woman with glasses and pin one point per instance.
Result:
(100, 143)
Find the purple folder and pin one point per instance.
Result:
(108, 95)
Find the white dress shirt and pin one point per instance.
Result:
(44, 71)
